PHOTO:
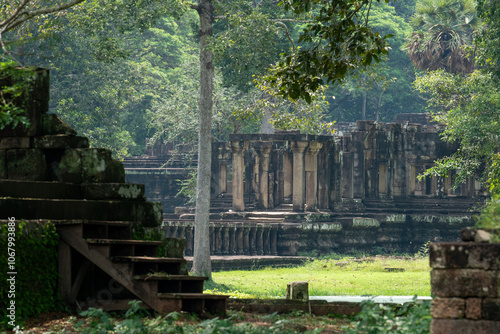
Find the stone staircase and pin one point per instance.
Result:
(48, 173)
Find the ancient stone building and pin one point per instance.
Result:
(287, 193)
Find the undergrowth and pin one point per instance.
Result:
(411, 318)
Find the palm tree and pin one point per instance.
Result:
(442, 31)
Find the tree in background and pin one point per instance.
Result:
(442, 32)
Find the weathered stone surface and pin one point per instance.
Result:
(465, 255)
(15, 142)
(464, 283)
(464, 326)
(26, 164)
(124, 191)
(174, 247)
(447, 308)
(149, 214)
(482, 236)
(297, 291)
(98, 166)
(39, 189)
(473, 308)
(68, 169)
(60, 142)
(491, 309)
(52, 124)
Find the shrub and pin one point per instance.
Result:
(36, 254)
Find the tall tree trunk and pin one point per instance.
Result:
(201, 259)
(363, 107)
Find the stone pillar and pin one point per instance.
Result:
(324, 178)
(382, 180)
(238, 148)
(311, 171)
(288, 175)
(223, 178)
(265, 152)
(299, 184)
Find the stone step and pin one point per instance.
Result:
(39, 189)
(147, 213)
(175, 283)
(89, 229)
(198, 302)
(117, 247)
(143, 265)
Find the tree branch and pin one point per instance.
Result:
(25, 15)
(14, 15)
(286, 31)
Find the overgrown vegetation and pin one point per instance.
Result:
(411, 318)
(379, 275)
(14, 84)
(36, 256)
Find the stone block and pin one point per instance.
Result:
(60, 142)
(464, 326)
(473, 308)
(68, 169)
(26, 164)
(447, 308)
(149, 214)
(123, 191)
(3, 164)
(491, 309)
(15, 142)
(52, 124)
(297, 291)
(464, 283)
(174, 247)
(465, 255)
(98, 166)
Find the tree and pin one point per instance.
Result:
(337, 39)
(442, 29)
(14, 13)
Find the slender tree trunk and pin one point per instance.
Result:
(363, 107)
(201, 260)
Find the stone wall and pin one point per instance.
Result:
(465, 282)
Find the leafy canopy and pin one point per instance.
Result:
(337, 39)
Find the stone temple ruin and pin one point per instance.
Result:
(289, 193)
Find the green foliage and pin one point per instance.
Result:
(488, 39)
(380, 319)
(15, 83)
(36, 251)
(490, 218)
(188, 187)
(442, 29)
(469, 106)
(337, 39)
(99, 322)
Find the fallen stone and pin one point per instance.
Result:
(482, 236)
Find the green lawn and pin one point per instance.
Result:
(331, 278)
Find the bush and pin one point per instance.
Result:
(36, 254)
(411, 318)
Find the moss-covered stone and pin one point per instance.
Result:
(124, 191)
(69, 168)
(53, 142)
(174, 247)
(53, 125)
(26, 164)
(365, 222)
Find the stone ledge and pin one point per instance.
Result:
(464, 326)
(455, 255)
(464, 283)
(124, 191)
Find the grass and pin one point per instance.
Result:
(329, 277)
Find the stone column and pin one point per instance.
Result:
(299, 184)
(287, 175)
(238, 148)
(223, 178)
(265, 152)
(311, 171)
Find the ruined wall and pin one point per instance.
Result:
(465, 282)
